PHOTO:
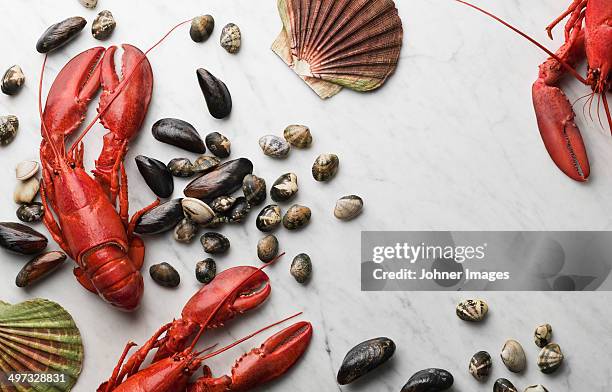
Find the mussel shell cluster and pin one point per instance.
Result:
(215, 243)
(8, 128)
(429, 380)
(201, 28)
(178, 133)
(513, 356)
(472, 310)
(298, 136)
(218, 144)
(156, 175)
(161, 218)
(21, 239)
(550, 358)
(285, 187)
(480, 365)
(231, 38)
(267, 248)
(32, 212)
(206, 270)
(60, 33)
(12, 81)
(224, 180)
(504, 385)
(274, 146)
(364, 358)
(216, 94)
(39, 267)
(269, 218)
(301, 268)
(296, 217)
(254, 189)
(165, 275)
(103, 26)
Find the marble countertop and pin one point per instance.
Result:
(449, 143)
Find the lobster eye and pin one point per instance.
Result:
(72, 165)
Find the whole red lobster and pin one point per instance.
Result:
(232, 292)
(588, 34)
(88, 227)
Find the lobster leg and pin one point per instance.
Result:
(113, 380)
(48, 217)
(574, 9)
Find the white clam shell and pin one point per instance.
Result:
(26, 191)
(348, 207)
(89, 3)
(26, 170)
(513, 356)
(197, 210)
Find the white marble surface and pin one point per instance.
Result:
(449, 143)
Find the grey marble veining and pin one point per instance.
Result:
(449, 143)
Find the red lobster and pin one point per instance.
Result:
(233, 291)
(88, 227)
(588, 33)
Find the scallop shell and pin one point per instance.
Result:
(40, 336)
(345, 43)
(550, 358)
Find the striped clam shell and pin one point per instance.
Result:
(550, 358)
(472, 310)
(480, 365)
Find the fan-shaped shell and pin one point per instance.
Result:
(40, 336)
(341, 43)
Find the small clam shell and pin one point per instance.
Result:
(21, 239)
(513, 356)
(178, 133)
(239, 210)
(201, 28)
(231, 38)
(205, 164)
(301, 268)
(472, 310)
(161, 218)
(181, 167)
(348, 207)
(274, 146)
(218, 144)
(254, 189)
(103, 26)
(296, 217)
(198, 211)
(269, 218)
(504, 385)
(285, 187)
(480, 365)
(8, 128)
(156, 175)
(216, 94)
(12, 81)
(536, 388)
(429, 380)
(206, 270)
(550, 358)
(215, 243)
(39, 267)
(60, 33)
(325, 167)
(222, 204)
(185, 231)
(89, 3)
(26, 170)
(298, 136)
(542, 335)
(364, 358)
(267, 248)
(26, 191)
(165, 275)
(33, 212)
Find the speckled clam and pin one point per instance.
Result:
(285, 187)
(103, 26)
(32, 212)
(429, 380)
(298, 136)
(40, 266)
(480, 365)
(267, 248)
(274, 146)
(12, 81)
(504, 385)
(254, 189)
(513, 356)
(26, 169)
(269, 218)
(198, 211)
(206, 270)
(201, 28)
(218, 144)
(165, 275)
(185, 231)
(231, 38)
(364, 358)
(348, 207)
(542, 335)
(550, 358)
(205, 164)
(89, 3)
(25, 191)
(536, 388)
(222, 204)
(472, 310)
(301, 268)
(325, 167)
(215, 243)
(8, 128)
(181, 167)
(296, 217)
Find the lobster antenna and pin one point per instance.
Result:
(237, 342)
(122, 86)
(221, 303)
(40, 112)
(607, 108)
(568, 67)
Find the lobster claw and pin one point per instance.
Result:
(559, 132)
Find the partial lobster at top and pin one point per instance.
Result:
(82, 212)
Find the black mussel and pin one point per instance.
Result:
(181, 167)
(429, 380)
(218, 144)
(33, 212)
(201, 28)
(239, 210)
(267, 248)
(269, 218)
(39, 267)
(480, 365)
(12, 81)
(165, 275)
(104, 25)
(365, 357)
(215, 243)
(224, 180)
(206, 270)
(218, 98)
(301, 268)
(20, 238)
(254, 189)
(284, 188)
(60, 33)
(296, 217)
(504, 385)
(161, 218)
(178, 133)
(205, 164)
(156, 175)
(222, 204)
